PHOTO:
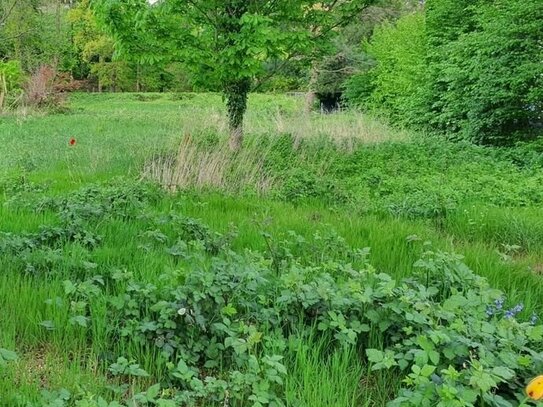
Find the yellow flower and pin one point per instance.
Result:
(534, 390)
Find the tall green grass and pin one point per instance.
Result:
(391, 197)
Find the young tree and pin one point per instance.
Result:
(226, 41)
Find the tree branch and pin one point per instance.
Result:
(320, 35)
(4, 18)
(214, 24)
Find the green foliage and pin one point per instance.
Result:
(172, 306)
(493, 75)
(12, 72)
(394, 85)
(6, 356)
(359, 89)
(225, 42)
(11, 81)
(472, 71)
(218, 323)
(464, 350)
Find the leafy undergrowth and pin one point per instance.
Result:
(172, 312)
(426, 178)
(472, 193)
(249, 284)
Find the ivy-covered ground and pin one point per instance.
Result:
(349, 265)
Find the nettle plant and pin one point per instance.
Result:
(222, 328)
(45, 250)
(454, 340)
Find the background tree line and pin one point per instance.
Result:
(469, 69)
(66, 34)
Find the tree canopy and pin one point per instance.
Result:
(468, 69)
(226, 42)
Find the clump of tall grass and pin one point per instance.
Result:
(268, 164)
(345, 129)
(211, 165)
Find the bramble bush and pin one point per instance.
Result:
(218, 323)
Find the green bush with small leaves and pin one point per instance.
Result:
(217, 323)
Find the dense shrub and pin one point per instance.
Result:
(494, 77)
(41, 91)
(472, 71)
(394, 84)
(217, 324)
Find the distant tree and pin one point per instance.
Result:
(95, 47)
(396, 83)
(226, 42)
(486, 72)
(36, 32)
(330, 75)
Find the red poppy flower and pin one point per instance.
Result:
(72, 141)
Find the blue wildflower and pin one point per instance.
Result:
(533, 319)
(518, 308)
(514, 311)
(489, 311)
(499, 303)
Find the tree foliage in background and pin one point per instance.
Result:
(226, 42)
(95, 49)
(36, 32)
(346, 58)
(493, 75)
(64, 35)
(472, 71)
(394, 83)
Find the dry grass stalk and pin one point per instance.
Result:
(345, 129)
(200, 166)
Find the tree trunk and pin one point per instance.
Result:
(236, 93)
(310, 98)
(138, 77)
(3, 91)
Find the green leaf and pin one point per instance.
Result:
(536, 333)
(69, 287)
(454, 302)
(434, 357)
(7, 356)
(374, 355)
(79, 320)
(427, 370)
(153, 391)
(503, 372)
(482, 380)
(49, 325)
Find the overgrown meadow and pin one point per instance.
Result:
(333, 261)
